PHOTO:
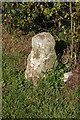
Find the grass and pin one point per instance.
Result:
(23, 100)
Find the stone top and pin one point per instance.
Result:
(43, 38)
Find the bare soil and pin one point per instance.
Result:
(14, 44)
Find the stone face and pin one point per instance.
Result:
(42, 56)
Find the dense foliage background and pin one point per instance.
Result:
(52, 98)
(60, 19)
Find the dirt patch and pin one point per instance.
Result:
(14, 44)
(74, 81)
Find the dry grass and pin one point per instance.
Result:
(14, 44)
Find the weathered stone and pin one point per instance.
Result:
(67, 76)
(42, 56)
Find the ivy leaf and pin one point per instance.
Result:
(34, 15)
(47, 16)
(13, 11)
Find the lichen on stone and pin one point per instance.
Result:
(36, 55)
